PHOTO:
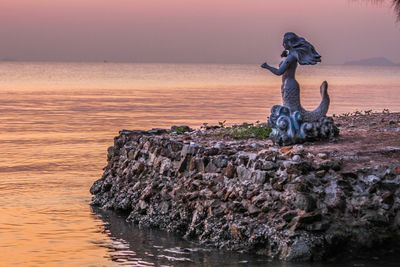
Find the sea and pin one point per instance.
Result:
(57, 120)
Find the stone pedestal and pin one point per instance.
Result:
(288, 127)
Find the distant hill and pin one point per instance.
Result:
(8, 59)
(375, 61)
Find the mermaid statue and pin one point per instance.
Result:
(290, 122)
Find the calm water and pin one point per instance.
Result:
(57, 120)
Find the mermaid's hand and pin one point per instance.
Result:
(265, 65)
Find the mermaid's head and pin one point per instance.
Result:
(301, 49)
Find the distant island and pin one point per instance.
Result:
(375, 61)
(8, 59)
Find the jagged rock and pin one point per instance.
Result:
(305, 202)
(288, 216)
(370, 179)
(230, 170)
(290, 203)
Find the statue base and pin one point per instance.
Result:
(288, 127)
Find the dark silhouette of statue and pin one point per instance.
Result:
(291, 123)
(298, 51)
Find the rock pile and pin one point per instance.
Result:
(287, 203)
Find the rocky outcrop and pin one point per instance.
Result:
(286, 203)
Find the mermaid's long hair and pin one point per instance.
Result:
(303, 50)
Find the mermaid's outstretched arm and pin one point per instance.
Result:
(282, 67)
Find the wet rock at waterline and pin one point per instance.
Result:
(300, 203)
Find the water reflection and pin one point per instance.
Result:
(55, 132)
(130, 246)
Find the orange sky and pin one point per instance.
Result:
(224, 31)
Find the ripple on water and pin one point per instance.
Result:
(55, 129)
(155, 247)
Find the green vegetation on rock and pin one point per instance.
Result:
(181, 129)
(246, 130)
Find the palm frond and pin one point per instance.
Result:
(394, 3)
(396, 6)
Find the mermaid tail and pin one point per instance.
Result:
(297, 125)
(321, 110)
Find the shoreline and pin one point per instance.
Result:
(306, 202)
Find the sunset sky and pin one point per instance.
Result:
(193, 31)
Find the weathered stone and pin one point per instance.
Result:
(221, 161)
(183, 164)
(260, 198)
(96, 187)
(142, 205)
(138, 167)
(375, 217)
(132, 154)
(230, 171)
(268, 165)
(157, 131)
(391, 184)
(296, 158)
(166, 165)
(206, 193)
(147, 192)
(259, 177)
(397, 219)
(164, 207)
(288, 216)
(243, 173)
(211, 167)
(299, 251)
(289, 203)
(334, 196)
(253, 210)
(370, 179)
(329, 164)
(305, 202)
(309, 217)
(235, 232)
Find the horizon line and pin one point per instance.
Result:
(168, 63)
